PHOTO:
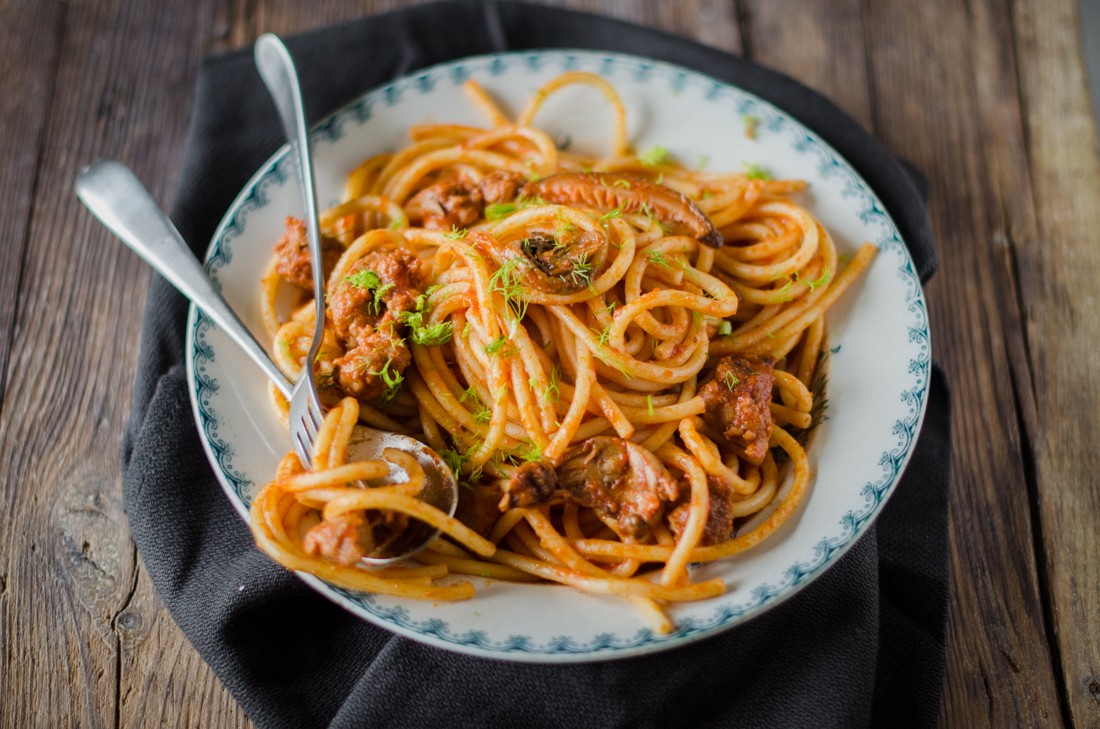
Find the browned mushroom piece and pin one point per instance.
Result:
(533, 484)
(570, 262)
(626, 484)
(611, 190)
(350, 537)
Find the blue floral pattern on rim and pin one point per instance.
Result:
(831, 165)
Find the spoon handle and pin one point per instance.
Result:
(116, 196)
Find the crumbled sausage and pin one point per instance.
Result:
(719, 524)
(362, 371)
(346, 538)
(365, 309)
(500, 186)
(737, 399)
(292, 260)
(477, 507)
(355, 307)
(446, 205)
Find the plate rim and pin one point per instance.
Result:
(828, 550)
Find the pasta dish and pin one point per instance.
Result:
(616, 355)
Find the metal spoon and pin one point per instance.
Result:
(118, 199)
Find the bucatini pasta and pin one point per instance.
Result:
(614, 354)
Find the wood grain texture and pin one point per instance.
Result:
(821, 46)
(1060, 295)
(30, 34)
(998, 656)
(986, 97)
(70, 568)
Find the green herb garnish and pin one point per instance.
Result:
(497, 345)
(755, 172)
(497, 211)
(392, 380)
(654, 156)
(657, 257)
(612, 214)
(581, 269)
(506, 282)
(751, 123)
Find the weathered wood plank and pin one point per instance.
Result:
(120, 71)
(74, 528)
(821, 45)
(164, 681)
(30, 34)
(1058, 271)
(925, 87)
(713, 22)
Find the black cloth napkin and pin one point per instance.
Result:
(862, 645)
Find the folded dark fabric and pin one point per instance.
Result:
(862, 645)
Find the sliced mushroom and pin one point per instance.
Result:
(571, 261)
(533, 484)
(626, 484)
(611, 190)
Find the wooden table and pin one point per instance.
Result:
(987, 97)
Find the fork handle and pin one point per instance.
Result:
(116, 196)
(276, 67)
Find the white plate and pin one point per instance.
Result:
(879, 337)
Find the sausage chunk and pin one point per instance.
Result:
(500, 186)
(345, 539)
(365, 309)
(379, 286)
(363, 370)
(719, 524)
(477, 507)
(626, 484)
(446, 205)
(292, 255)
(737, 401)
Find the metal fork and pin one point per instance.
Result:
(276, 67)
(121, 202)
